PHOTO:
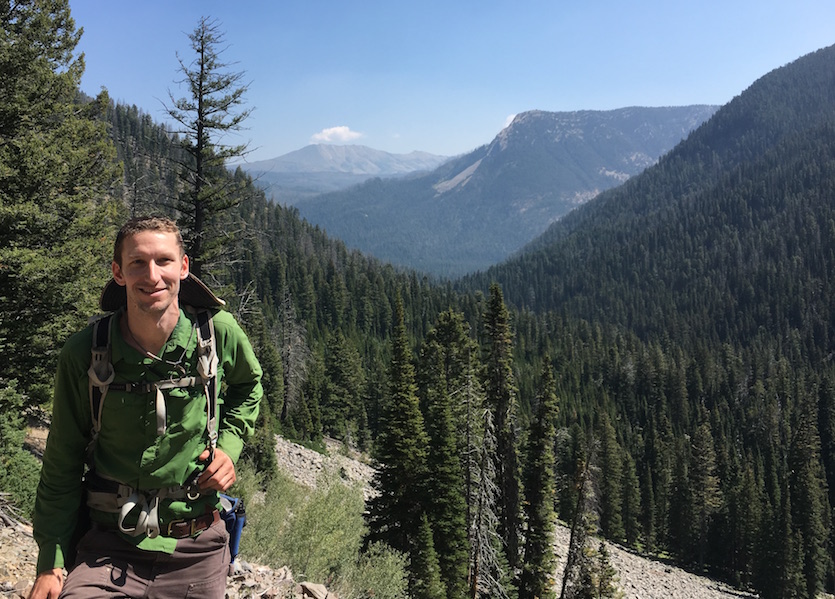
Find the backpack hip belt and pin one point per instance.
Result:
(125, 500)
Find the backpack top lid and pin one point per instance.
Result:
(193, 292)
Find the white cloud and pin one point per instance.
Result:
(339, 134)
(508, 120)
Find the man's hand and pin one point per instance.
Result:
(48, 585)
(219, 474)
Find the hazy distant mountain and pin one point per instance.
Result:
(322, 168)
(476, 210)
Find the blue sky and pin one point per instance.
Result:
(444, 76)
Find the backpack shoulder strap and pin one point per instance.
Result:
(207, 363)
(100, 374)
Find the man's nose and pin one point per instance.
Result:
(153, 270)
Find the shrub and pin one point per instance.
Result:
(19, 469)
(318, 534)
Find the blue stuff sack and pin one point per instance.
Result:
(234, 516)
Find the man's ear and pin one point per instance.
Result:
(117, 273)
(184, 268)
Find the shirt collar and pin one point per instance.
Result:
(183, 336)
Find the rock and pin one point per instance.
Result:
(316, 591)
(305, 466)
(23, 587)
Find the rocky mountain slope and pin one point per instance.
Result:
(639, 578)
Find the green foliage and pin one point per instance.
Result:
(425, 576)
(443, 371)
(56, 164)
(500, 392)
(605, 576)
(211, 110)
(19, 469)
(396, 514)
(341, 403)
(318, 535)
(611, 482)
(539, 564)
(379, 573)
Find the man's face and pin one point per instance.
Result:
(151, 270)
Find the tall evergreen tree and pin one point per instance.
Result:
(631, 498)
(500, 391)
(704, 487)
(489, 574)
(56, 167)
(605, 576)
(539, 564)
(808, 498)
(211, 111)
(425, 576)
(396, 515)
(610, 482)
(447, 498)
(341, 402)
(461, 369)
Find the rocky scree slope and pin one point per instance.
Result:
(638, 577)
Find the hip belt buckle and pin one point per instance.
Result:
(188, 527)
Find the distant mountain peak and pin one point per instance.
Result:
(349, 159)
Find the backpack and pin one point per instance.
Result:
(101, 375)
(124, 499)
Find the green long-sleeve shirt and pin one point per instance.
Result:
(129, 449)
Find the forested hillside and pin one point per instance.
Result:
(719, 261)
(657, 368)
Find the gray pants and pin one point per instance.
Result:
(109, 566)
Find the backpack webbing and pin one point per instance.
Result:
(101, 375)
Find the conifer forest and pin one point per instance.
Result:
(657, 368)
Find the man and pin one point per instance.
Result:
(152, 458)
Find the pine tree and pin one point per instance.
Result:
(57, 164)
(647, 518)
(210, 111)
(610, 482)
(704, 486)
(341, 402)
(396, 514)
(605, 576)
(500, 390)
(539, 564)
(631, 497)
(807, 495)
(425, 580)
(489, 574)
(447, 484)
(682, 525)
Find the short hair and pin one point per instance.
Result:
(145, 223)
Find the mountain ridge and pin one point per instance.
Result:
(324, 168)
(475, 210)
(738, 179)
(353, 159)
